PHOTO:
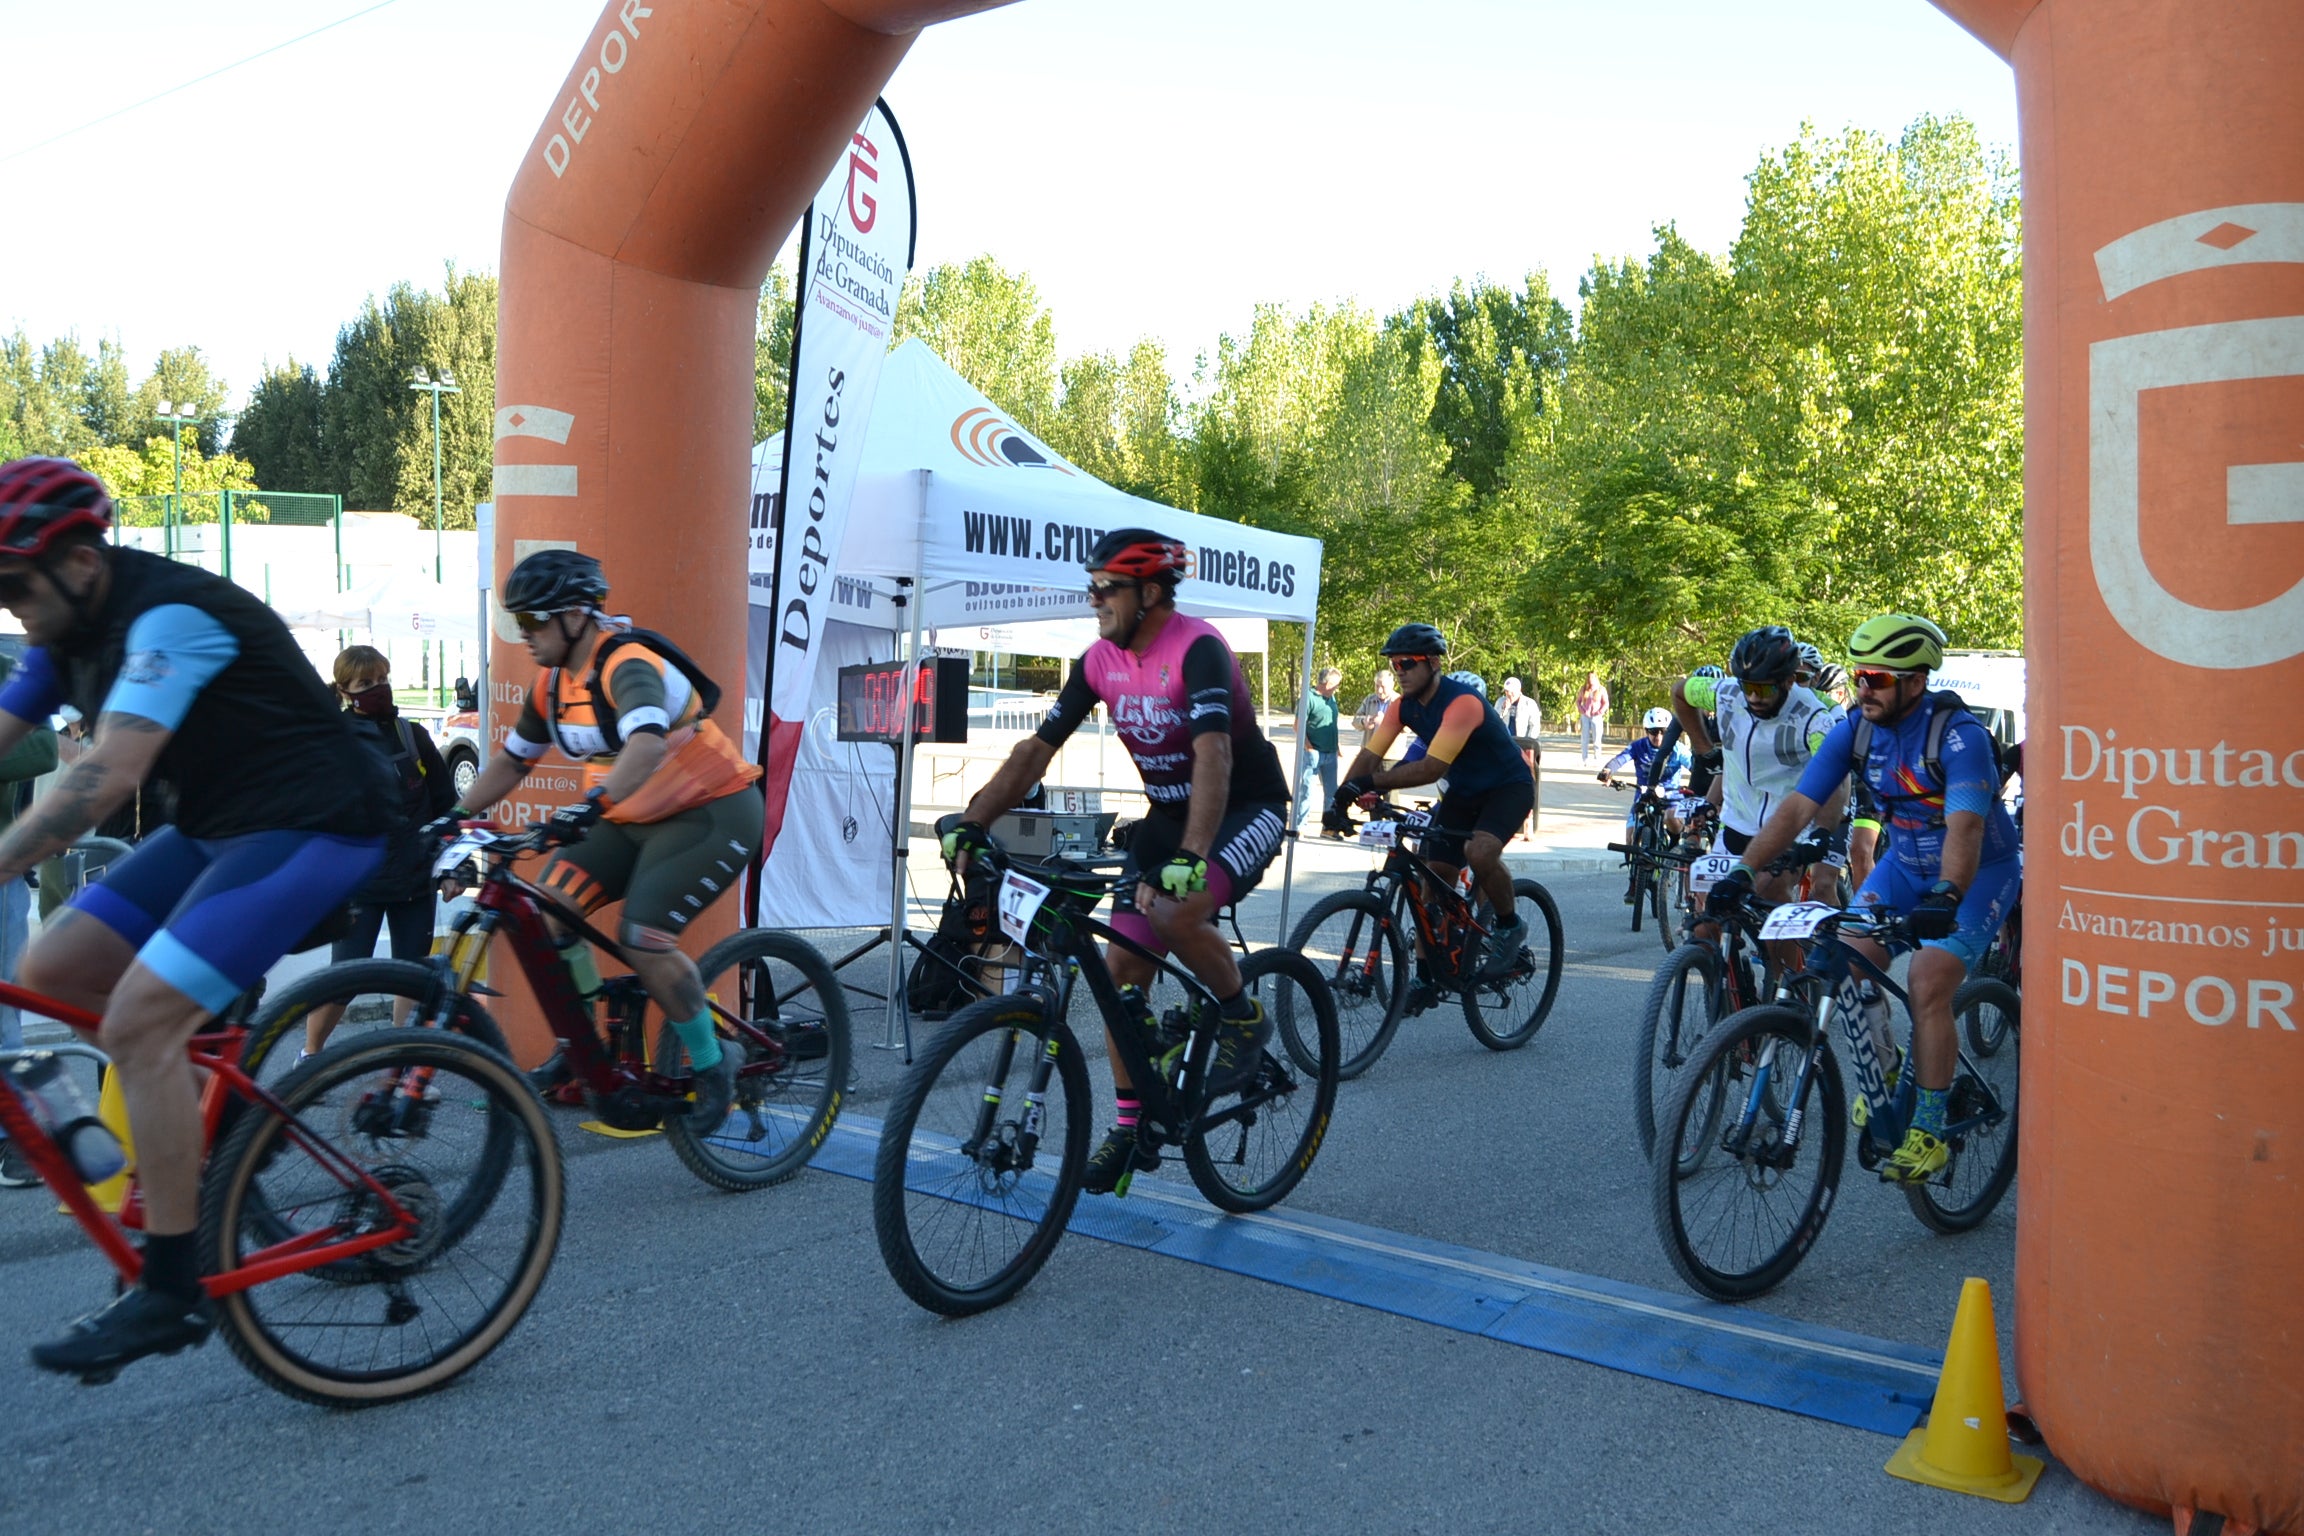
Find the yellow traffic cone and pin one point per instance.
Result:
(1965, 1444)
(112, 1109)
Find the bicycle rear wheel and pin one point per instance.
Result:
(1505, 1014)
(779, 1003)
(404, 1319)
(1735, 1207)
(1659, 876)
(1353, 942)
(1980, 1114)
(1251, 1147)
(977, 1175)
(1678, 1013)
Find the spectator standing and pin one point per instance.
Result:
(1372, 707)
(26, 761)
(1319, 745)
(1592, 711)
(400, 894)
(1524, 718)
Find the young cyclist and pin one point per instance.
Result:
(1654, 769)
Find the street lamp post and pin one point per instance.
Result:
(444, 385)
(177, 420)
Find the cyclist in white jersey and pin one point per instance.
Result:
(1770, 727)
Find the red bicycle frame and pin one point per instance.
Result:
(217, 1055)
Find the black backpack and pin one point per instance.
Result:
(707, 691)
(1943, 709)
(407, 864)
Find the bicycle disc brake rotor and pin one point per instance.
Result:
(416, 1196)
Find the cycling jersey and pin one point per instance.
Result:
(643, 693)
(258, 743)
(1761, 759)
(1909, 802)
(1461, 729)
(1649, 763)
(1187, 684)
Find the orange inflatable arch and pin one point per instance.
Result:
(2159, 1313)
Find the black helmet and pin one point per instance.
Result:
(552, 581)
(1416, 640)
(1141, 553)
(1768, 654)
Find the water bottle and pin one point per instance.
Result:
(1464, 882)
(1878, 1022)
(64, 1113)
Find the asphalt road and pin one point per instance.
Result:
(701, 1361)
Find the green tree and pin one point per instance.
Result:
(279, 429)
(376, 432)
(1118, 421)
(772, 355)
(142, 475)
(181, 376)
(990, 325)
(46, 387)
(1501, 352)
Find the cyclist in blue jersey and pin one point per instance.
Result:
(1486, 789)
(1653, 773)
(1952, 866)
(281, 814)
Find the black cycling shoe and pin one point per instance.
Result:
(1422, 996)
(715, 1090)
(1111, 1162)
(1239, 1050)
(550, 1073)
(1503, 950)
(137, 1323)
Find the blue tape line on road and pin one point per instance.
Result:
(1732, 1352)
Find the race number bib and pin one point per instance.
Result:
(1020, 901)
(1379, 834)
(1707, 871)
(1797, 920)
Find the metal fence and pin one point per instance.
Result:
(230, 509)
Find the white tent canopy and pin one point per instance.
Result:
(395, 605)
(993, 524)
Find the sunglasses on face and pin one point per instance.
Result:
(1878, 680)
(531, 622)
(1398, 662)
(1763, 693)
(1102, 591)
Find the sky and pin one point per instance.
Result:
(1159, 167)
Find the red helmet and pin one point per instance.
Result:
(41, 498)
(1141, 553)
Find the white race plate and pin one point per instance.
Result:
(1379, 834)
(459, 853)
(1019, 901)
(1797, 920)
(1708, 870)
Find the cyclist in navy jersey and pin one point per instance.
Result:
(281, 813)
(1952, 861)
(1219, 801)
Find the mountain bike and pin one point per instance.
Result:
(1359, 942)
(985, 1145)
(1655, 857)
(371, 1226)
(1758, 1124)
(773, 997)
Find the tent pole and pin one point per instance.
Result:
(1303, 770)
(897, 1035)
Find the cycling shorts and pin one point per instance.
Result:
(1991, 897)
(1246, 839)
(209, 916)
(1499, 811)
(665, 872)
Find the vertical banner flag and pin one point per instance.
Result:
(854, 252)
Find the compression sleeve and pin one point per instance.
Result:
(530, 738)
(637, 693)
(1703, 692)
(1385, 732)
(174, 651)
(1971, 779)
(1464, 715)
(1834, 755)
(1208, 671)
(34, 691)
(1071, 707)
(1621, 760)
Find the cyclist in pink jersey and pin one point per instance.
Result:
(1219, 800)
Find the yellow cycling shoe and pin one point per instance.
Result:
(1920, 1158)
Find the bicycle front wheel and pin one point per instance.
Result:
(775, 1000)
(1252, 1147)
(1678, 1013)
(1979, 1115)
(1505, 1014)
(1743, 1172)
(978, 1168)
(1352, 941)
(451, 1132)
(372, 995)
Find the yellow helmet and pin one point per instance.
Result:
(1902, 641)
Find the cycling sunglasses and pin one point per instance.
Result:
(531, 622)
(1398, 662)
(1101, 591)
(1762, 693)
(1878, 679)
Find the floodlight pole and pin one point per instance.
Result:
(444, 385)
(176, 420)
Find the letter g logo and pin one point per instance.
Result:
(2120, 370)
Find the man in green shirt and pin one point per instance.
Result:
(1319, 746)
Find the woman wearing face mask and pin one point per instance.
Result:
(401, 892)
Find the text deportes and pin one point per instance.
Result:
(560, 149)
(2209, 1000)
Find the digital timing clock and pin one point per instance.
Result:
(872, 698)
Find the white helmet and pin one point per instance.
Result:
(1656, 720)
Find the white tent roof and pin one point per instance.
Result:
(994, 523)
(395, 605)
